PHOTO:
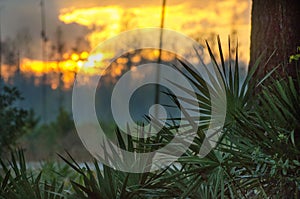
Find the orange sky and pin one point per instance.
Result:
(199, 19)
(221, 17)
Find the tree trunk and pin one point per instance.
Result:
(275, 27)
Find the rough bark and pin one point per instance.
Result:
(275, 27)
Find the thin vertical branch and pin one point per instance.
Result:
(157, 90)
(44, 53)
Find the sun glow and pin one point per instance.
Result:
(65, 69)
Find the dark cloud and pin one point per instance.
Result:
(17, 15)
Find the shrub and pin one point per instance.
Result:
(15, 121)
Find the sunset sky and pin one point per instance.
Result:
(84, 24)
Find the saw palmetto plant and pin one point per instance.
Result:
(19, 182)
(258, 155)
